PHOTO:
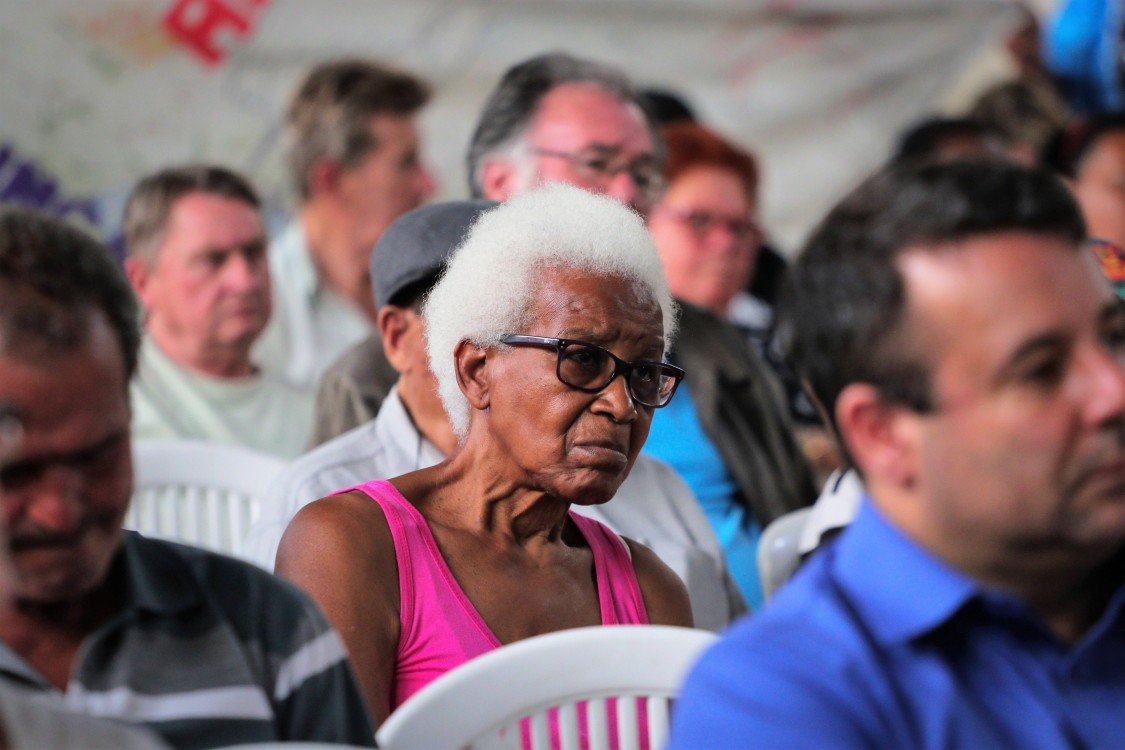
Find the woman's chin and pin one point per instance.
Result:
(594, 488)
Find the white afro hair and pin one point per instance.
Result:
(491, 279)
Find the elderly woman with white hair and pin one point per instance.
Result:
(547, 335)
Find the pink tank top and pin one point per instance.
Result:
(441, 628)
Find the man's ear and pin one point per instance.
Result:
(471, 363)
(324, 177)
(394, 324)
(499, 179)
(139, 273)
(881, 437)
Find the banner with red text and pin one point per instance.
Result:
(95, 94)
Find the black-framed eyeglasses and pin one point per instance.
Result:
(599, 165)
(590, 368)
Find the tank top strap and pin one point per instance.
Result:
(400, 516)
(619, 592)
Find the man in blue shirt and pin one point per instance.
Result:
(971, 357)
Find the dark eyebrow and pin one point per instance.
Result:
(602, 148)
(587, 336)
(1113, 311)
(602, 339)
(1049, 342)
(258, 242)
(82, 454)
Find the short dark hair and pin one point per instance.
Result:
(150, 203)
(413, 295)
(329, 114)
(1068, 148)
(516, 98)
(52, 276)
(841, 314)
(666, 107)
(926, 140)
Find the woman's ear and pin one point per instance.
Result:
(471, 363)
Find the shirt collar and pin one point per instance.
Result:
(394, 427)
(901, 589)
(293, 259)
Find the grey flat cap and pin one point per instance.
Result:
(417, 244)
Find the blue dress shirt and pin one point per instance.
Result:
(875, 643)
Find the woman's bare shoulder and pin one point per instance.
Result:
(349, 526)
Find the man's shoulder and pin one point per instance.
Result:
(239, 590)
(360, 361)
(802, 656)
(808, 615)
(350, 456)
(343, 461)
(652, 480)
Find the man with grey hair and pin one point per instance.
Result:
(196, 257)
(412, 431)
(353, 152)
(556, 118)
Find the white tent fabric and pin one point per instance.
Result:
(97, 93)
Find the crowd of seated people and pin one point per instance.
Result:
(557, 404)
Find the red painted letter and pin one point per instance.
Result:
(195, 23)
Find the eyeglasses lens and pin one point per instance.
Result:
(591, 367)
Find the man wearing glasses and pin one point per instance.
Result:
(556, 118)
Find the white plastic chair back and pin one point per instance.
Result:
(481, 703)
(202, 493)
(290, 745)
(778, 550)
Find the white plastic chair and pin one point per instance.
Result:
(779, 553)
(201, 493)
(481, 704)
(287, 745)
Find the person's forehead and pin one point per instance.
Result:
(710, 184)
(392, 131)
(994, 289)
(67, 395)
(579, 115)
(1107, 152)
(575, 301)
(218, 218)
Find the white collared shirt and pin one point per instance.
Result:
(311, 325)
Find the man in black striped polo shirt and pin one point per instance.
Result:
(205, 650)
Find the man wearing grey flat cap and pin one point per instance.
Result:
(412, 431)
